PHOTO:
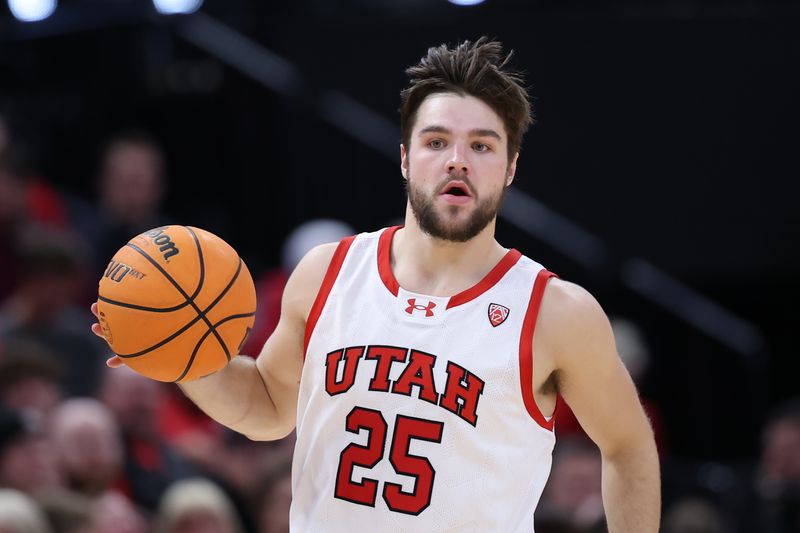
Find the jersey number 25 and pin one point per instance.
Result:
(420, 468)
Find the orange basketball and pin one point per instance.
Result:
(176, 303)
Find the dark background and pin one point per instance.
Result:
(666, 129)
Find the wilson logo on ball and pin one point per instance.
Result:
(164, 242)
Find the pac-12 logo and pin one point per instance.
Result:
(497, 314)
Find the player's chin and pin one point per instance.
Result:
(457, 215)
(454, 228)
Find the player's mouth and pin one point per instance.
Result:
(456, 192)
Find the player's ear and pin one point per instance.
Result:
(512, 170)
(404, 161)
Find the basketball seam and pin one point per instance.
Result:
(161, 343)
(202, 262)
(203, 338)
(215, 302)
(212, 328)
(143, 308)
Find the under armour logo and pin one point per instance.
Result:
(414, 306)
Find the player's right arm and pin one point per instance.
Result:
(258, 398)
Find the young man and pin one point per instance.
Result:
(405, 357)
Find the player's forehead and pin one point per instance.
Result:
(459, 114)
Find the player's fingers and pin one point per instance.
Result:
(97, 330)
(114, 362)
(94, 309)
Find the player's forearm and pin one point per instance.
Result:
(632, 489)
(237, 397)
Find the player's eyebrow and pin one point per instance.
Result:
(433, 129)
(477, 132)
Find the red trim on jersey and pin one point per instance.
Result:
(385, 259)
(494, 275)
(526, 350)
(325, 289)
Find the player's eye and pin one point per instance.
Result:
(480, 147)
(436, 144)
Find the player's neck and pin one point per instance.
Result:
(427, 265)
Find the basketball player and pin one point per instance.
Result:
(421, 364)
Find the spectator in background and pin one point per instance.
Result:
(132, 182)
(275, 498)
(112, 513)
(150, 464)
(249, 460)
(694, 515)
(43, 306)
(29, 377)
(88, 446)
(5, 134)
(20, 514)
(44, 204)
(26, 456)
(572, 497)
(778, 477)
(13, 215)
(196, 506)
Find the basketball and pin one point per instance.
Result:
(176, 303)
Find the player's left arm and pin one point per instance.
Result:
(595, 384)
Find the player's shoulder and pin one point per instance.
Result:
(564, 298)
(313, 265)
(570, 316)
(318, 258)
(306, 279)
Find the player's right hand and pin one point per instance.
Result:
(113, 361)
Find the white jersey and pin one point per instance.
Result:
(416, 412)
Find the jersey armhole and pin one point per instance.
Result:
(526, 350)
(325, 289)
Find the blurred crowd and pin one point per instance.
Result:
(87, 449)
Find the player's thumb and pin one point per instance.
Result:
(114, 362)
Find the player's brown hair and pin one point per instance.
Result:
(477, 69)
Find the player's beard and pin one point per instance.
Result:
(437, 225)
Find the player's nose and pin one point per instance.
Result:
(458, 160)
